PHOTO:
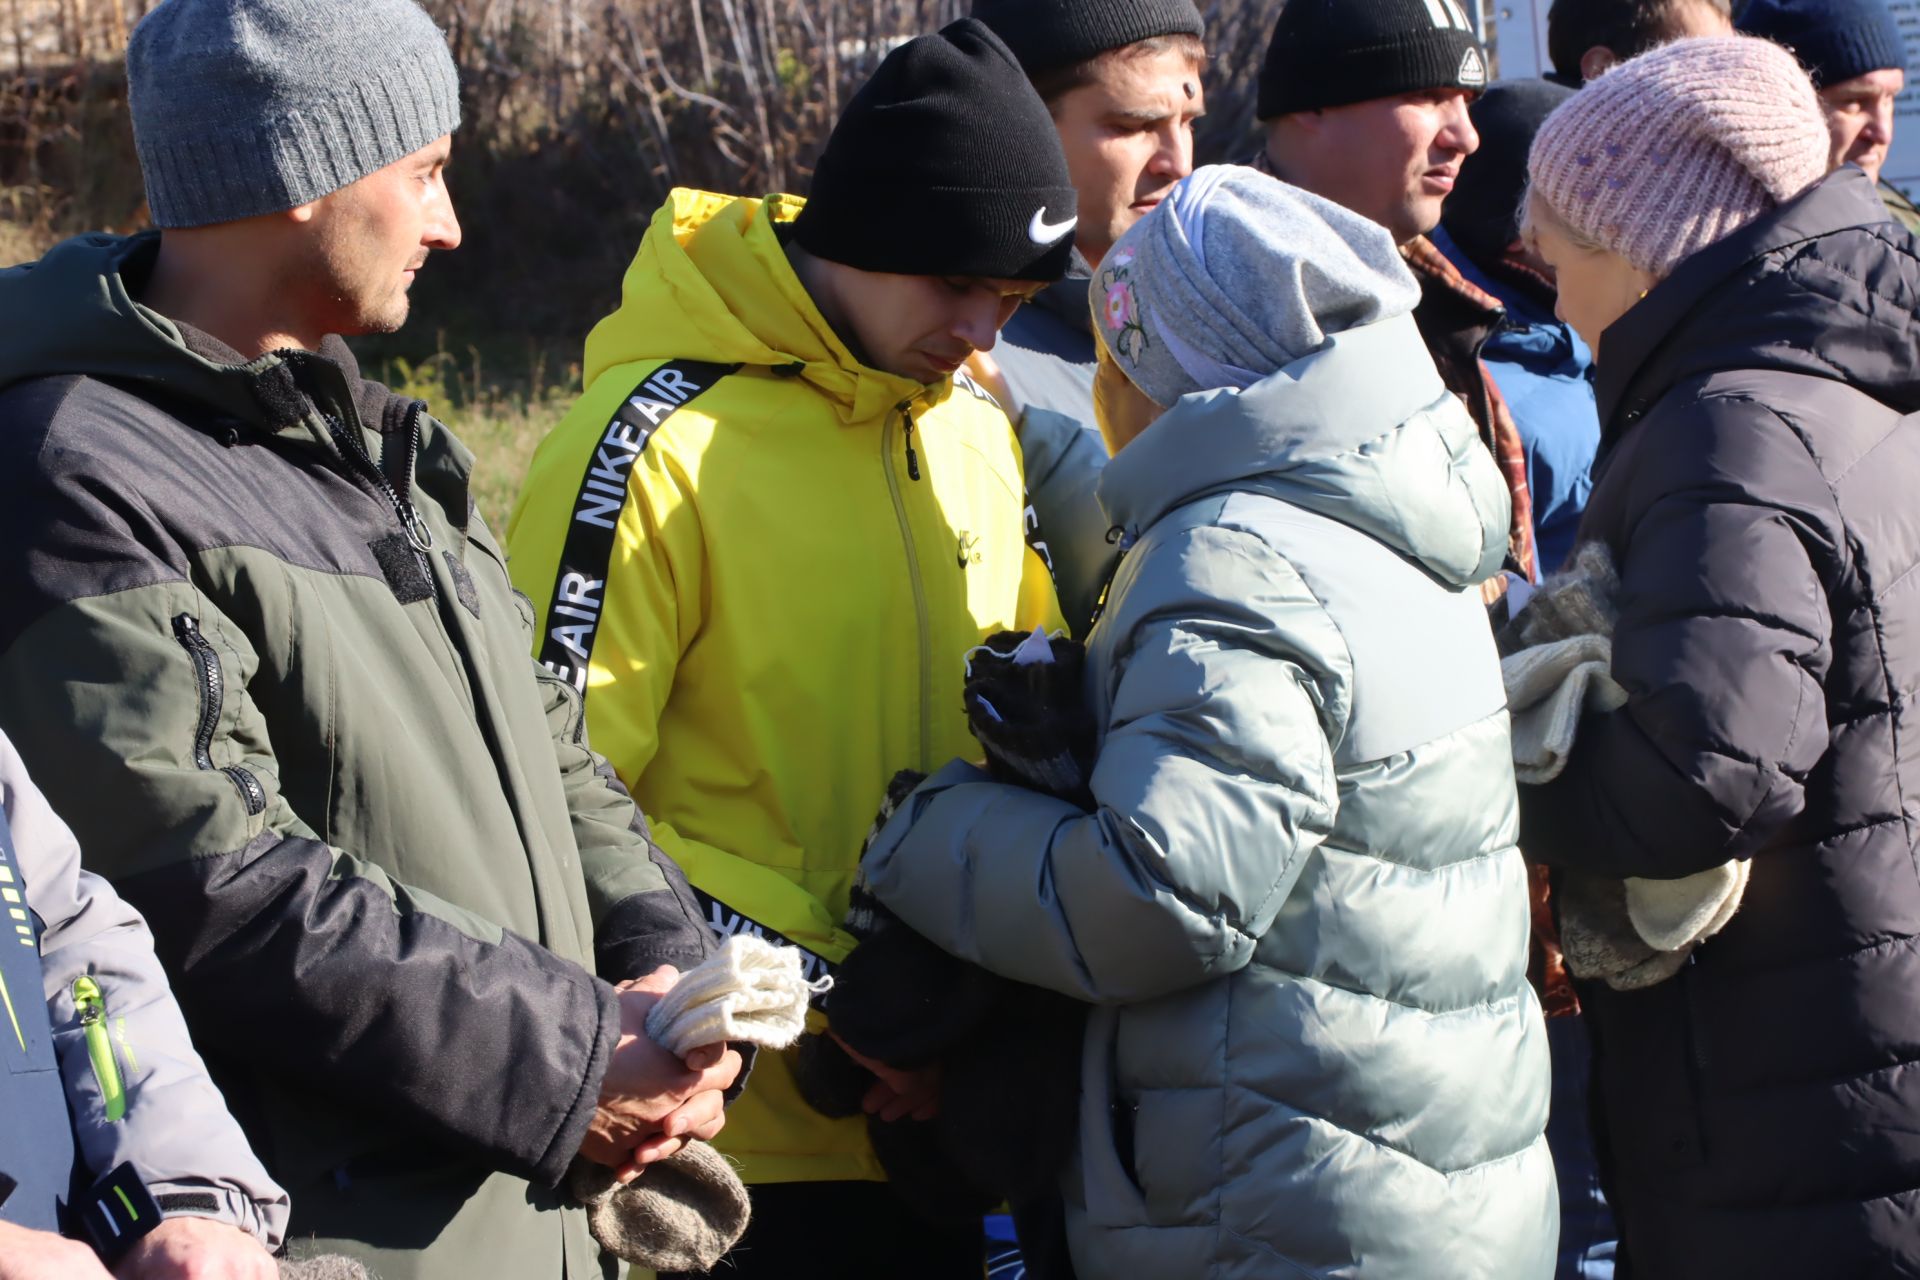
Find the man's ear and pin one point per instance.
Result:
(1596, 61)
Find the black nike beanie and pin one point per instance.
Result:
(945, 163)
(1329, 53)
(1047, 35)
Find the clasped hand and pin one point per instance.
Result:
(180, 1248)
(651, 1102)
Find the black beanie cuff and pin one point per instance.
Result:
(937, 231)
(1046, 35)
(1418, 61)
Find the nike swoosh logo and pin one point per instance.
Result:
(1042, 232)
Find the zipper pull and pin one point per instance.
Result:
(417, 531)
(93, 1026)
(913, 459)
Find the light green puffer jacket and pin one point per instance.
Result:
(1298, 906)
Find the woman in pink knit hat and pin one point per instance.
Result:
(1757, 1050)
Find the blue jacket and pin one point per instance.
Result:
(1546, 374)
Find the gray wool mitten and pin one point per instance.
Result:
(331, 1266)
(1599, 938)
(682, 1214)
(1576, 601)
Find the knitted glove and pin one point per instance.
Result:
(1557, 663)
(749, 990)
(1576, 601)
(682, 1214)
(1026, 705)
(1549, 686)
(331, 1266)
(1599, 939)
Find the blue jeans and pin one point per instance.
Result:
(1587, 1237)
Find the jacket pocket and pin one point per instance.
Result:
(92, 1008)
(213, 690)
(1112, 1194)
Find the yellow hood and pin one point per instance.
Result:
(712, 279)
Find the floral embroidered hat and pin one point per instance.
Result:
(1237, 275)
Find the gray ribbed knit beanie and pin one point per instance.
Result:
(245, 107)
(1236, 275)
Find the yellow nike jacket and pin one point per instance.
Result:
(763, 563)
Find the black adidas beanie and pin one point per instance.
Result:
(1328, 53)
(945, 163)
(1047, 35)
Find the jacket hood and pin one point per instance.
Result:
(1361, 431)
(85, 321)
(1824, 285)
(711, 281)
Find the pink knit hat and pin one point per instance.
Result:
(1673, 150)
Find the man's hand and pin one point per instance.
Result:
(188, 1248)
(896, 1093)
(652, 1103)
(41, 1255)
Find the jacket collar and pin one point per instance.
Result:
(1722, 307)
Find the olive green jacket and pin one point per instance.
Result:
(264, 658)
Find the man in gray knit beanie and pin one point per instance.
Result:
(262, 647)
(303, 138)
(248, 108)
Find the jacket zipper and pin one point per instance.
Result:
(213, 684)
(354, 451)
(1695, 1032)
(401, 499)
(920, 612)
(913, 459)
(93, 1026)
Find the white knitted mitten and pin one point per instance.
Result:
(1678, 915)
(749, 990)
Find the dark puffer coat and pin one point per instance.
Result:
(1760, 1112)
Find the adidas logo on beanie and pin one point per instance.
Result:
(1328, 53)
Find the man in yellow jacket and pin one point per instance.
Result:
(764, 539)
